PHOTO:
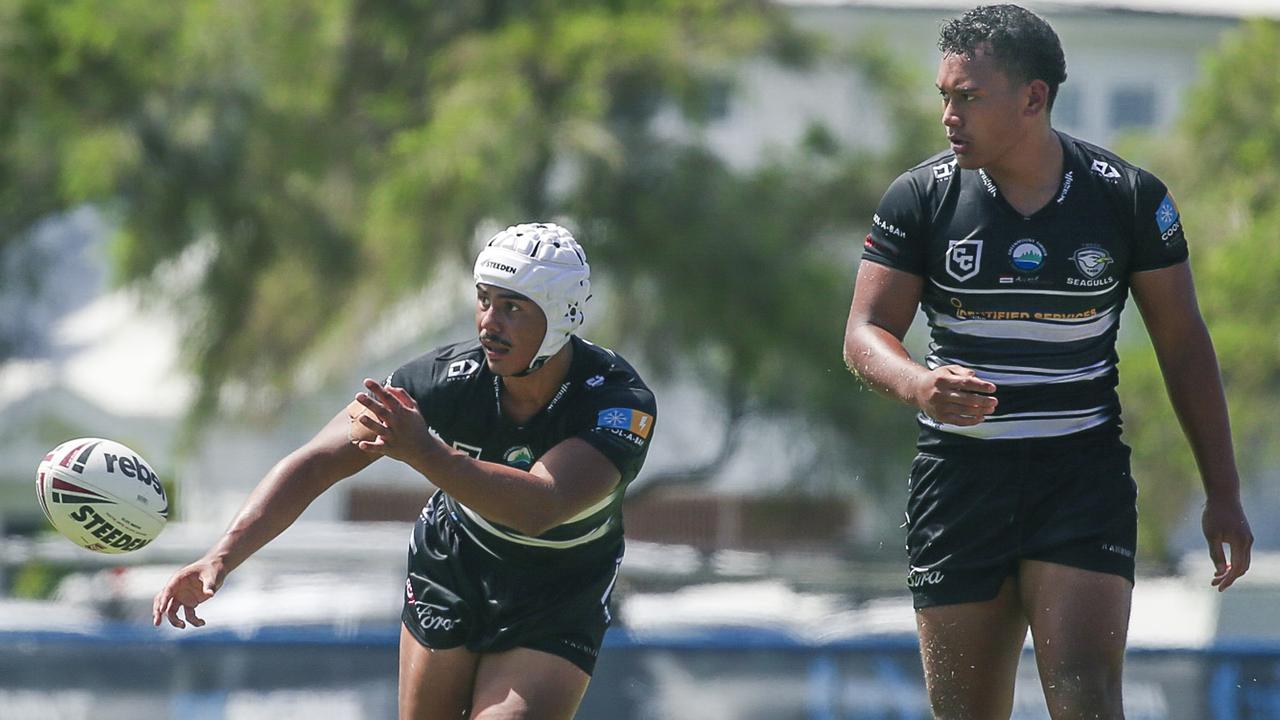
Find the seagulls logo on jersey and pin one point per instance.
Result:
(1092, 262)
(964, 258)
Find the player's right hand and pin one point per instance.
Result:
(188, 587)
(955, 395)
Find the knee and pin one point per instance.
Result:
(1084, 693)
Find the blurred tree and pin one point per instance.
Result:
(1224, 168)
(302, 163)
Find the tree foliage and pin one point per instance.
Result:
(306, 162)
(1224, 168)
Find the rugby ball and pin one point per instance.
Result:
(101, 495)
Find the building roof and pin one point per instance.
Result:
(1216, 8)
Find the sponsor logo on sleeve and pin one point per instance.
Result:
(1168, 220)
(888, 227)
(964, 258)
(634, 425)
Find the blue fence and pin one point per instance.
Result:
(127, 671)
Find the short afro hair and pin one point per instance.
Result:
(1022, 43)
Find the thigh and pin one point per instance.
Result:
(970, 653)
(1079, 624)
(961, 531)
(525, 684)
(434, 684)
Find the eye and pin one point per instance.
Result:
(512, 307)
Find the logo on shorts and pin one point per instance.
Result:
(1118, 549)
(964, 258)
(920, 577)
(429, 620)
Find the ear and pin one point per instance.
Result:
(1035, 98)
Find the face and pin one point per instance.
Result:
(511, 328)
(985, 114)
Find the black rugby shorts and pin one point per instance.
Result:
(459, 595)
(973, 514)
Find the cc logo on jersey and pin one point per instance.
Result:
(964, 258)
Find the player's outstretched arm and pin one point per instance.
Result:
(884, 303)
(569, 478)
(274, 505)
(1167, 300)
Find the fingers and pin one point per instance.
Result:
(1226, 573)
(963, 378)
(158, 606)
(190, 612)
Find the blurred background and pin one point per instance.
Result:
(217, 217)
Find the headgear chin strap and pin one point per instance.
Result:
(544, 263)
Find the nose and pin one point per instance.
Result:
(488, 320)
(950, 118)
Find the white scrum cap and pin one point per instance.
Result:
(544, 263)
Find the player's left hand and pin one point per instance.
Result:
(1224, 523)
(393, 420)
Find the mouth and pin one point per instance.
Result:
(959, 145)
(494, 348)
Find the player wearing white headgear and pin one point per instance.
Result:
(542, 262)
(531, 435)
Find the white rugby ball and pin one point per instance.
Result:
(101, 495)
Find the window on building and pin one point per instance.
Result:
(1132, 106)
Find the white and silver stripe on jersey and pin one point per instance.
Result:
(1015, 376)
(1018, 426)
(1034, 330)
(496, 531)
(1022, 291)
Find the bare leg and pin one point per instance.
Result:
(434, 684)
(970, 653)
(524, 684)
(1079, 622)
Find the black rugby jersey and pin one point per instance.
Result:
(602, 401)
(1032, 304)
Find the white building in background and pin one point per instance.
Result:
(1129, 65)
(108, 364)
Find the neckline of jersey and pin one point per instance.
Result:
(575, 367)
(1059, 196)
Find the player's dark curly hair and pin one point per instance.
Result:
(1022, 43)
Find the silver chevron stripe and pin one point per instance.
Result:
(492, 529)
(1035, 330)
(1021, 291)
(1016, 376)
(1026, 425)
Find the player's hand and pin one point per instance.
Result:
(392, 424)
(956, 395)
(1224, 523)
(188, 587)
